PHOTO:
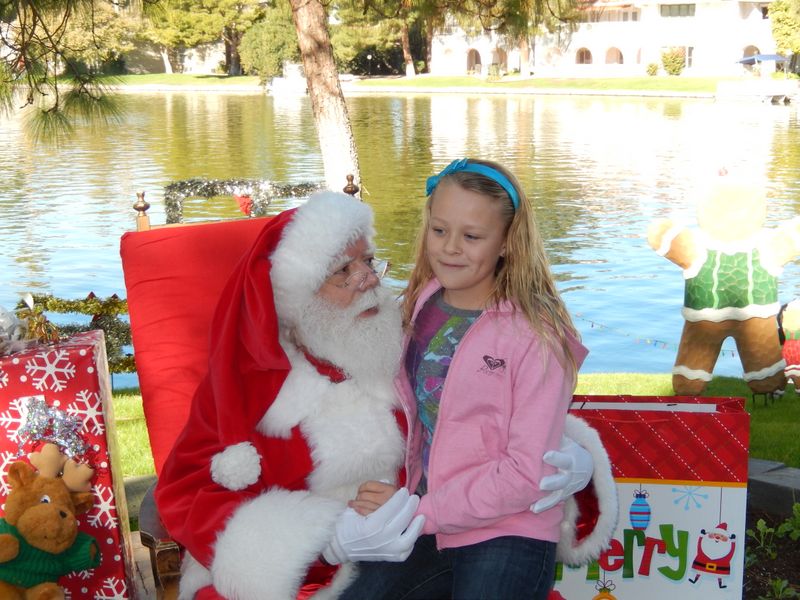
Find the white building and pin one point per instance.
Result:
(618, 37)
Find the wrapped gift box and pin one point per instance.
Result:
(680, 464)
(72, 377)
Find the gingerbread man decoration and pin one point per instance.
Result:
(731, 266)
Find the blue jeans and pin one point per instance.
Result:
(505, 568)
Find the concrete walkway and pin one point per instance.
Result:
(772, 487)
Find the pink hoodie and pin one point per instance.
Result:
(503, 406)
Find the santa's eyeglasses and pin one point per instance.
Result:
(358, 279)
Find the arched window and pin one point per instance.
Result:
(750, 51)
(613, 56)
(584, 57)
(473, 61)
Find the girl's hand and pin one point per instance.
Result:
(371, 496)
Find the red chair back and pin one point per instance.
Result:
(174, 276)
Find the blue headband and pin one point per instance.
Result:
(462, 165)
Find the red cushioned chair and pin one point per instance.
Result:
(173, 277)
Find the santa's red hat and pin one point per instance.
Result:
(721, 529)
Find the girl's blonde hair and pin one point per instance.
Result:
(523, 275)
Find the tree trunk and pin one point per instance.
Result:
(233, 61)
(524, 57)
(407, 58)
(339, 156)
(428, 43)
(165, 59)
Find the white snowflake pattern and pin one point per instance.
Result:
(85, 574)
(690, 496)
(89, 408)
(113, 589)
(3, 378)
(6, 458)
(104, 512)
(12, 424)
(54, 368)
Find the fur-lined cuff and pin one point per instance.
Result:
(269, 543)
(576, 552)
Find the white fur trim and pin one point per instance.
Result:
(765, 372)
(269, 543)
(589, 548)
(236, 467)
(194, 577)
(316, 236)
(693, 269)
(691, 373)
(353, 438)
(734, 246)
(717, 315)
(299, 397)
(344, 577)
(667, 238)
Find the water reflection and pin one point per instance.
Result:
(597, 169)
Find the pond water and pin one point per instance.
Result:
(599, 170)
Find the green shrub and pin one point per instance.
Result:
(268, 44)
(791, 526)
(763, 537)
(652, 69)
(673, 60)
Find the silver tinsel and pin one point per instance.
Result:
(45, 423)
(12, 329)
(260, 191)
(12, 333)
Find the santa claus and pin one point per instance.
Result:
(715, 550)
(296, 411)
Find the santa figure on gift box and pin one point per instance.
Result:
(715, 549)
(297, 410)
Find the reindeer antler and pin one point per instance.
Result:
(77, 478)
(49, 461)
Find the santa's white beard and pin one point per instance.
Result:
(714, 549)
(367, 348)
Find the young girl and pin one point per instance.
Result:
(490, 367)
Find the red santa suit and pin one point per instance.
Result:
(275, 445)
(716, 565)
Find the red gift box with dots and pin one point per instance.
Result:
(71, 379)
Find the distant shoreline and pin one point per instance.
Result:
(739, 89)
(350, 89)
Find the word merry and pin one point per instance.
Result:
(620, 555)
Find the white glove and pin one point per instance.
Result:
(575, 468)
(382, 535)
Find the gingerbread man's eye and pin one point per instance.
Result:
(45, 499)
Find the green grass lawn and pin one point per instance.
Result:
(654, 84)
(663, 84)
(774, 426)
(181, 79)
